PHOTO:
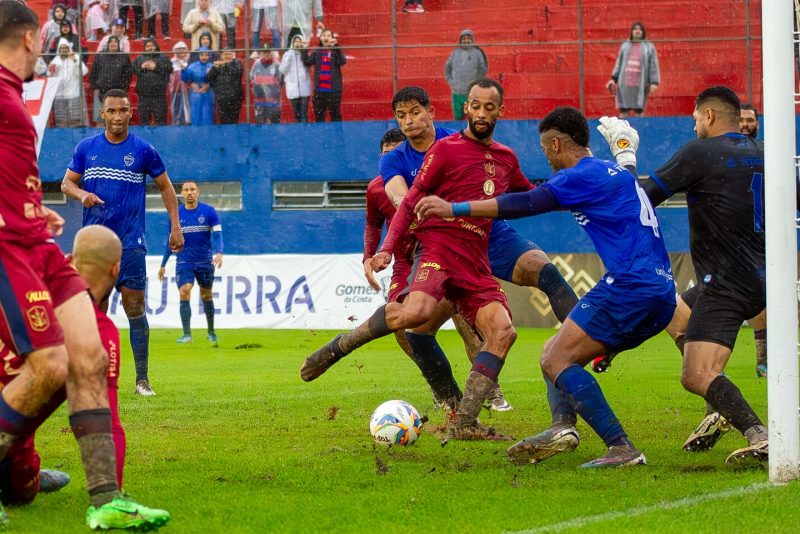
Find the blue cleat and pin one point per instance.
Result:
(185, 339)
(51, 480)
(761, 370)
(212, 337)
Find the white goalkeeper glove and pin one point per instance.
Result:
(622, 138)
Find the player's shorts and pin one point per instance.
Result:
(618, 318)
(133, 269)
(401, 272)
(186, 274)
(441, 272)
(717, 315)
(34, 281)
(505, 248)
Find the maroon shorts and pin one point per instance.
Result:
(441, 272)
(34, 281)
(400, 273)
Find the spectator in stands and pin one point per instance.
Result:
(162, 8)
(72, 10)
(95, 24)
(153, 70)
(296, 79)
(118, 31)
(225, 77)
(178, 94)
(201, 95)
(205, 40)
(111, 70)
(327, 60)
(227, 10)
(636, 74)
(297, 16)
(204, 19)
(67, 106)
(125, 7)
(466, 64)
(413, 6)
(66, 33)
(264, 12)
(51, 29)
(265, 76)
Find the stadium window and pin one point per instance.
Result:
(319, 195)
(224, 196)
(51, 193)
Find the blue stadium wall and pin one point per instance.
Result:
(260, 155)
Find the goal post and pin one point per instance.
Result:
(781, 237)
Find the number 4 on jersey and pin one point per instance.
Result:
(647, 215)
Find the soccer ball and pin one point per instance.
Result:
(395, 422)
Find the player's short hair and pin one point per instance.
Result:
(412, 92)
(115, 93)
(567, 120)
(395, 135)
(723, 94)
(190, 182)
(751, 107)
(15, 19)
(487, 83)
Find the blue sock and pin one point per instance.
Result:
(561, 410)
(561, 296)
(11, 421)
(588, 400)
(186, 317)
(140, 345)
(488, 364)
(208, 307)
(433, 364)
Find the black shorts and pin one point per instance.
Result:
(716, 315)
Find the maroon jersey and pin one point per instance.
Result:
(21, 216)
(458, 169)
(379, 212)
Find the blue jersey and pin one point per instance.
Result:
(608, 203)
(197, 225)
(116, 174)
(405, 161)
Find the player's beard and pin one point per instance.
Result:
(482, 134)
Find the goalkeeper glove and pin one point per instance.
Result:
(622, 139)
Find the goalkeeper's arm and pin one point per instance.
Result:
(510, 205)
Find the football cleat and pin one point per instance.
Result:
(551, 441)
(123, 512)
(186, 338)
(707, 433)
(761, 370)
(618, 456)
(600, 364)
(143, 389)
(497, 401)
(319, 361)
(757, 451)
(472, 432)
(51, 480)
(212, 337)
(4, 521)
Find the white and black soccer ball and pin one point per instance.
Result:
(395, 422)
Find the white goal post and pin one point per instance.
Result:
(781, 236)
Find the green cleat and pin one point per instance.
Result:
(123, 512)
(4, 521)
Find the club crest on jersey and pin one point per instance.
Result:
(38, 319)
(489, 167)
(488, 187)
(201, 219)
(128, 160)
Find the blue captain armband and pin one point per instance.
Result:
(460, 209)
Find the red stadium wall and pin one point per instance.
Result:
(533, 48)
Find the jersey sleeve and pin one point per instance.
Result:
(213, 220)
(390, 165)
(155, 166)
(682, 170)
(518, 181)
(374, 216)
(78, 163)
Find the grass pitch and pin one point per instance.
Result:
(236, 442)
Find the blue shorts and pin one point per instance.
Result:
(186, 274)
(133, 269)
(619, 318)
(505, 248)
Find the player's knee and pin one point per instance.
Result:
(691, 380)
(417, 314)
(51, 366)
(89, 360)
(528, 267)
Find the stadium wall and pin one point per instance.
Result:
(258, 156)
